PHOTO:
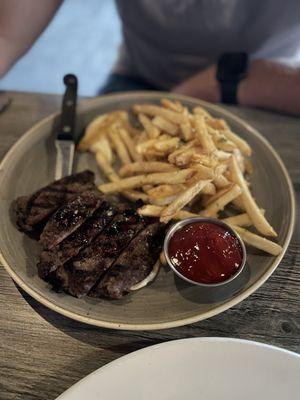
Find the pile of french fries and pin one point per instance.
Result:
(181, 164)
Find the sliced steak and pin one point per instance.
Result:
(71, 246)
(32, 210)
(59, 279)
(133, 265)
(70, 217)
(93, 261)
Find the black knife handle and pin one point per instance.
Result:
(68, 113)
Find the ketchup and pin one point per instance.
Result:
(205, 252)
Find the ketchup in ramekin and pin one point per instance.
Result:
(204, 251)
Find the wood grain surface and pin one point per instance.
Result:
(43, 353)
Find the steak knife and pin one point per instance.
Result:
(65, 141)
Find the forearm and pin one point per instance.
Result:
(21, 22)
(268, 85)
(272, 86)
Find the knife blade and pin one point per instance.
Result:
(65, 141)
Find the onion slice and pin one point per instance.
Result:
(148, 278)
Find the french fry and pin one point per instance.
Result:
(240, 160)
(202, 135)
(162, 258)
(183, 148)
(99, 127)
(153, 155)
(209, 189)
(220, 140)
(222, 155)
(150, 210)
(144, 167)
(204, 172)
(162, 191)
(162, 201)
(258, 219)
(126, 124)
(151, 130)
(187, 131)
(142, 146)
(239, 220)
(95, 129)
(207, 201)
(128, 142)
(152, 110)
(221, 182)
(113, 177)
(172, 105)
(182, 200)
(106, 167)
(221, 168)
(103, 146)
(165, 125)
(220, 124)
(218, 205)
(200, 111)
(248, 166)
(217, 124)
(160, 146)
(119, 147)
(241, 143)
(238, 203)
(257, 241)
(135, 195)
(182, 158)
(164, 194)
(175, 177)
(166, 145)
(208, 160)
(142, 137)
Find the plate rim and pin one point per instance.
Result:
(174, 342)
(158, 325)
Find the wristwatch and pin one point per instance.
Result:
(231, 69)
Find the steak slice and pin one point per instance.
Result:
(133, 265)
(32, 210)
(71, 246)
(86, 268)
(69, 217)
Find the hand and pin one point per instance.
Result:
(202, 85)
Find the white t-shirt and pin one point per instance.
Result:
(166, 41)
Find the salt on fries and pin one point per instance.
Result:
(181, 164)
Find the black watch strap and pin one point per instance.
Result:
(229, 91)
(231, 69)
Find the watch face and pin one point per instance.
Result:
(232, 66)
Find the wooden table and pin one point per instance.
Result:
(44, 353)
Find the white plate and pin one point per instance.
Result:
(196, 369)
(168, 301)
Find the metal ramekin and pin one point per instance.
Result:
(187, 221)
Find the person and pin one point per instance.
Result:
(176, 45)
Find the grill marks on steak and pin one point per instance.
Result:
(89, 247)
(86, 269)
(70, 217)
(34, 209)
(133, 265)
(50, 260)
